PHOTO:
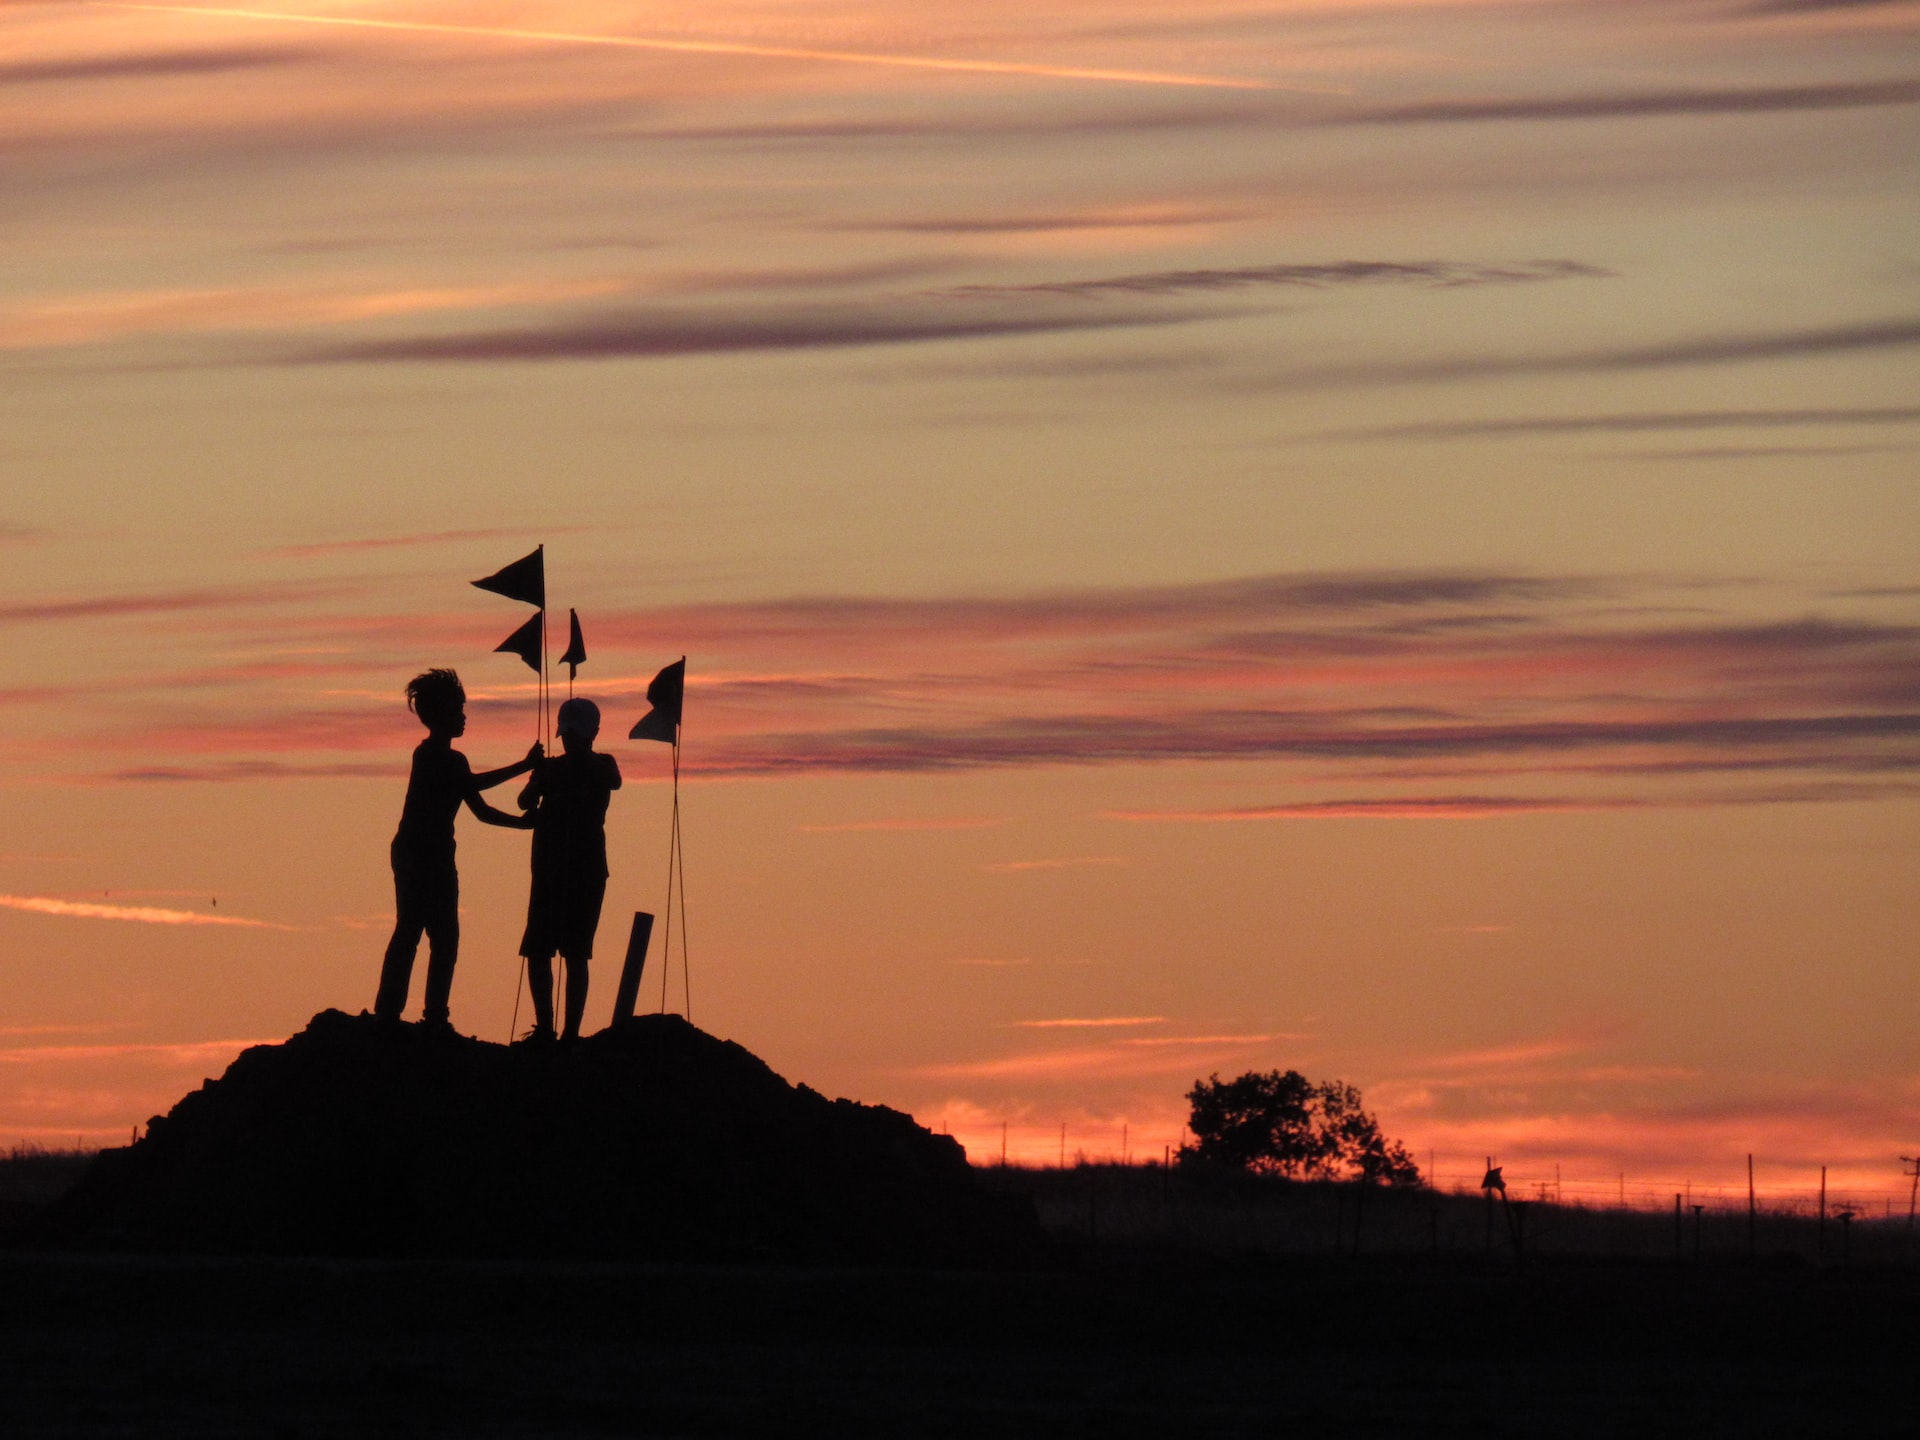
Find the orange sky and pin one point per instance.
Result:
(1374, 538)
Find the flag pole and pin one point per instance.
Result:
(680, 850)
(673, 848)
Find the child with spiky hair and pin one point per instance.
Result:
(426, 885)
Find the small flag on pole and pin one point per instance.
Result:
(524, 642)
(524, 580)
(664, 693)
(576, 655)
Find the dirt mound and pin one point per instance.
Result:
(651, 1140)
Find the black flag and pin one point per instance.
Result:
(524, 580)
(576, 655)
(664, 694)
(524, 642)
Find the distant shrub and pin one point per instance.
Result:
(1281, 1123)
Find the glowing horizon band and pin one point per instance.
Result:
(716, 47)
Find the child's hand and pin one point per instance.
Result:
(536, 751)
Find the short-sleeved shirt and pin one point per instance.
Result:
(440, 780)
(570, 820)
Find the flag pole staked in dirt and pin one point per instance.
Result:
(666, 693)
(525, 580)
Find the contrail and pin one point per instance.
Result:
(719, 47)
(141, 914)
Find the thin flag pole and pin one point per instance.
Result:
(673, 847)
(680, 849)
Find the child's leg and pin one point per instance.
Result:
(540, 982)
(396, 970)
(442, 918)
(576, 998)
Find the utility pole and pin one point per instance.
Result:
(1914, 1193)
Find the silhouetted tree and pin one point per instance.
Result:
(1281, 1123)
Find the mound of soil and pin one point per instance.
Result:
(651, 1140)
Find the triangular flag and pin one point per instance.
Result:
(524, 642)
(665, 693)
(576, 655)
(524, 580)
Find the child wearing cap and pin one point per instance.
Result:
(426, 884)
(567, 795)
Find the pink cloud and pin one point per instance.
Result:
(957, 822)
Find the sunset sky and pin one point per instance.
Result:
(1373, 538)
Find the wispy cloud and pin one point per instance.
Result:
(318, 549)
(1070, 862)
(1131, 217)
(656, 334)
(1411, 807)
(1105, 1022)
(1751, 100)
(1184, 1055)
(162, 602)
(905, 822)
(1811, 7)
(1634, 422)
(150, 64)
(1435, 274)
(138, 914)
(690, 46)
(1866, 337)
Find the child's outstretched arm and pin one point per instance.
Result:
(487, 779)
(485, 812)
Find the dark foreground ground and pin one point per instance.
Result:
(1108, 1345)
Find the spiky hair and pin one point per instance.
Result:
(434, 694)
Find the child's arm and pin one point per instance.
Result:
(487, 779)
(483, 811)
(610, 771)
(530, 792)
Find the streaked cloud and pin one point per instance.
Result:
(1105, 1022)
(93, 319)
(904, 822)
(1634, 423)
(721, 47)
(1130, 217)
(158, 64)
(1864, 338)
(1814, 7)
(160, 602)
(1411, 807)
(1744, 100)
(1438, 274)
(660, 333)
(318, 549)
(1160, 1055)
(138, 914)
(1069, 862)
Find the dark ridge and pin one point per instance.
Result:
(649, 1141)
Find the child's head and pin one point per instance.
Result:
(440, 700)
(577, 723)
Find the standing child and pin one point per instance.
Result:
(426, 885)
(568, 795)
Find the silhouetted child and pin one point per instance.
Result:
(568, 795)
(426, 886)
